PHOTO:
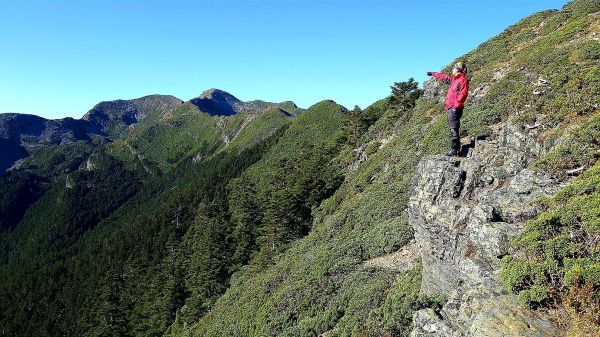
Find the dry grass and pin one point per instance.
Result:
(579, 312)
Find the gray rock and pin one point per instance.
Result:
(501, 317)
(479, 92)
(434, 90)
(464, 213)
(428, 324)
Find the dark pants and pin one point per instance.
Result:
(454, 124)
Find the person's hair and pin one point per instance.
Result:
(461, 66)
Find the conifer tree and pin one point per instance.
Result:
(246, 217)
(356, 125)
(405, 94)
(110, 316)
(207, 275)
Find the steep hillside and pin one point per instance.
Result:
(539, 79)
(198, 128)
(321, 282)
(150, 134)
(107, 234)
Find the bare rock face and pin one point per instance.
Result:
(464, 212)
(434, 90)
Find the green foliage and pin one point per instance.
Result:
(188, 132)
(318, 283)
(405, 94)
(35, 255)
(374, 111)
(246, 218)
(19, 190)
(119, 249)
(580, 149)
(356, 125)
(583, 7)
(208, 276)
(54, 161)
(400, 303)
(159, 251)
(534, 297)
(260, 127)
(293, 178)
(559, 249)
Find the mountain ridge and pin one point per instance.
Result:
(110, 120)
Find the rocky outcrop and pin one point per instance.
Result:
(435, 91)
(464, 212)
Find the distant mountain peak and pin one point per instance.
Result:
(217, 102)
(218, 94)
(114, 116)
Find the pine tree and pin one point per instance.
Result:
(279, 218)
(276, 223)
(207, 274)
(174, 290)
(356, 125)
(405, 94)
(246, 217)
(110, 316)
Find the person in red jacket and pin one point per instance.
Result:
(455, 101)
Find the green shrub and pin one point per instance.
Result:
(580, 148)
(534, 297)
(583, 7)
(558, 254)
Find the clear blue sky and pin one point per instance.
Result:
(59, 58)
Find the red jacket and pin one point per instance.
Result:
(458, 91)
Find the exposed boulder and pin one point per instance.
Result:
(434, 90)
(464, 212)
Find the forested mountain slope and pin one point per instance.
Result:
(538, 80)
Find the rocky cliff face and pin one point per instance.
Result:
(464, 211)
